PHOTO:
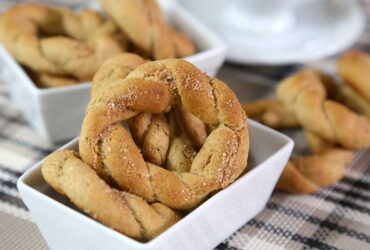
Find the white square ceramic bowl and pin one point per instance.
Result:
(56, 113)
(64, 227)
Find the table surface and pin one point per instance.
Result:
(337, 217)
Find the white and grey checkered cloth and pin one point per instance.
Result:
(337, 217)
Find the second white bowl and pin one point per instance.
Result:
(56, 113)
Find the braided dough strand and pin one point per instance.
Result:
(192, 126)
(145, 25)
(152, 133)
(124, 212)
(181, 152)
(307, 174)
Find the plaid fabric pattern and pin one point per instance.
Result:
(336, 217)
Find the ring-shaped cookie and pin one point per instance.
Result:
(156, 87)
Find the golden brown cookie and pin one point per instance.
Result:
(155, 87)
(57, 41)
(145, 25)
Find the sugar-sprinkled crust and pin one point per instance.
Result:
(153, 87)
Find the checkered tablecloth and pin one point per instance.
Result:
(337, 217)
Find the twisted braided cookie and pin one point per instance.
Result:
(166, 165)
(154, 87)
(327, 125)
(352, 91)
(305, 95)
(56, 41)
(143, 22)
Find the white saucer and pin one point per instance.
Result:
(320, 28)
